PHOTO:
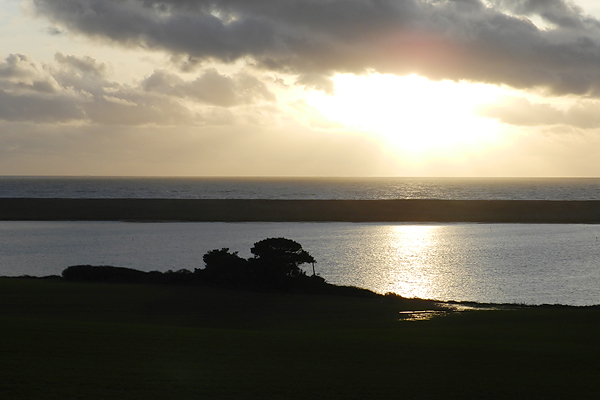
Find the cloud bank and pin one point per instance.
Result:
(231, 106)
(76, 89)
(493, 41)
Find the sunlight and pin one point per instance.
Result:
(411, 246)
(413, 114)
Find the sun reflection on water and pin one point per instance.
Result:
(412, 247)
(410, 257)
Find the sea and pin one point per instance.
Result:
(490, 263)
(302, 188)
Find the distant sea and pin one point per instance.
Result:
(303, 188)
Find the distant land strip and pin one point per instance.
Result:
(252, 210)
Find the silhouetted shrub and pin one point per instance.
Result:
(224, 268)
(102, 273)
(275, 266)
(179, 276)
(106, 273)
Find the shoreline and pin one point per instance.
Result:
(255, 210)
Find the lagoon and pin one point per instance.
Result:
(498, 263)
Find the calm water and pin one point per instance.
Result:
(303, 188)
(531, 264)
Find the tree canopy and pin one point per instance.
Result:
(224, 267)
(280, 256)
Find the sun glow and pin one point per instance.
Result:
(413, 114)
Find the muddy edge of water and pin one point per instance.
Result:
(240, 210)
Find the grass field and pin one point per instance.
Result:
(62, 340)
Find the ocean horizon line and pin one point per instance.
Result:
(292, 177)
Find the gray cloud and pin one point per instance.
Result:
(28, 92)
(558, 12)
(79, 89)
(21, 107)
(211, 87)
(19, 73)
(584, 114)
(82, 66)
(492, 41)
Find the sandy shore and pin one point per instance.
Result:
(236, 210)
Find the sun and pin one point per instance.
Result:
(413, 114)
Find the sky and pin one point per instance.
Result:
(456, 88)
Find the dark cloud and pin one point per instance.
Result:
(491, 41)
(559, 12)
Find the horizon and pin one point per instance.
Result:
(291, 177)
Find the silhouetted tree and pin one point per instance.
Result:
(279, 257)
(224, 267)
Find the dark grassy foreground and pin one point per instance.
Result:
(61, 340)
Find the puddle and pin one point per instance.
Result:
(423, 315)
